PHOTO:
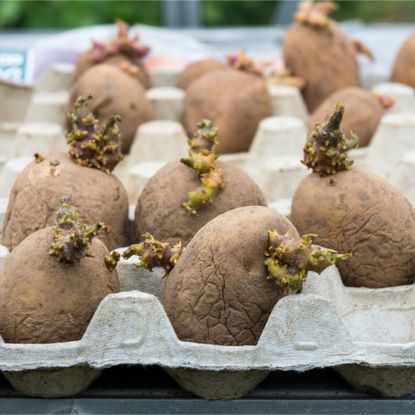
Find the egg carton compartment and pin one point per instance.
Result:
(281, 137)
(273, 160)
(48, 107)
(327, 325)
(14, 101)
(58, 77)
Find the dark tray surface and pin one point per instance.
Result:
(129, 390)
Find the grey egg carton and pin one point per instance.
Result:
(367, 334)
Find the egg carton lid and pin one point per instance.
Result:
(320, 327)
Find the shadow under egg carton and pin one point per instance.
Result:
(367, 334)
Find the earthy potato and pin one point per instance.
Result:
(159, 208)
(324, 57)
(404, 66)
(362, 114)
(85, 62)
(43, 301)
(353, 210)
(122, 50)
(38, 189)
(234, 101)
(197, 69)
(218, 292)
(114, 92)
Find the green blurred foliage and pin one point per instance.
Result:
(376, 10)
(74, 13)
(66, 14)
(237, 12)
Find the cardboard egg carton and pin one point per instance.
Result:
(280, 138)
(272, 161)
(367, 334)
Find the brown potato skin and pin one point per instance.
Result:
(85, 62)
(359, 212)
(197, 69)
(114, 92)
(325, 59)
(36, 193)
(234, 101)
(362, 112)
(404, 67)
(159, 208)
(218, 292)
(44, 301)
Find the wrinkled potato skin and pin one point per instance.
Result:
(36, 194)
(44, 301)
(404, 66)
(325, 59)
(218, 292)
(197, 69)
(234, 101)
(85, 62)
(159, 207)
(359, 212)
(362, 112)
(114, 92)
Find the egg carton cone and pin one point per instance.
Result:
(11, 170)
(393, 138)
(282, 206)
(403, 177)
(403, 96)
(164, 76)
(14, 101)
(4, 253)
(281, 177)
(3, 162)
(138, 176)
(167, 102)
(280, 138)
(327, 325)
(3, 209)
(39, 137)
(287, 100)
(158, 140)
(360, 157)
(48, 107)
(8, 131)
(57, 77)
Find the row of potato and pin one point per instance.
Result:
(228, 258)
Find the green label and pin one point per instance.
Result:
(13, 65)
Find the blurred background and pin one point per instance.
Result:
(57, 14)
